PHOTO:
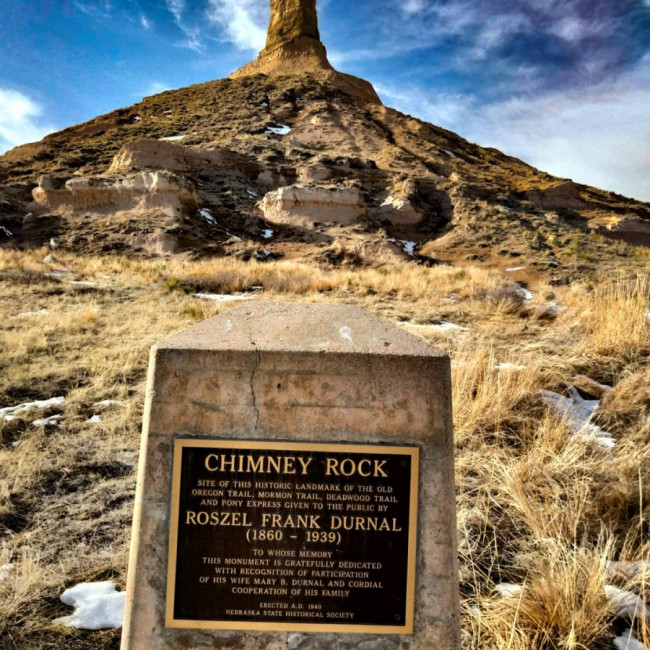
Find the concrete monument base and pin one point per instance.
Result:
(297, 373)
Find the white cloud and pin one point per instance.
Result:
(145, 22)
(177, 8)
(599, 136)
(20, 120)
(243, 21)
(192, 34)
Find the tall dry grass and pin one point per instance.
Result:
(538, 506)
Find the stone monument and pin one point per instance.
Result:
(295, 487)
(293, 45)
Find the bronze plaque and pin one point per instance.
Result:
(292, 537)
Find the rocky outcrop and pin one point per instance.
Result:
(631, 224)
(293, 45)
(398, 207)
(302, 206)
(156, 154)
(563, 196)
(161, 191)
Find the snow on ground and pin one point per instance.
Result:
(137, 118)
(280, 129)
(5, 571)
(44, 422)
(509, 367)
(220, 297)
(409, 247)
(451, 154)
(207, 215)
(98, 606)
(627, 604)
(27, 314)
(508, 590)
(526, 294)
(627, 641)
(8, 413)
(516, 268)
(252, 194)
(81, 283)
(237, 239)
(267, 234)
(8, 233)
(442, 326)
(95, 419)
(173, 138)
(107, 403)
(630, 568)
(578, 413)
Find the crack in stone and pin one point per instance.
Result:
(252, 385)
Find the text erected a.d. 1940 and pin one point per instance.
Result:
(291, 536)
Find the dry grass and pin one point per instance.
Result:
(538, 506)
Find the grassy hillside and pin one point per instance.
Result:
(540, 507)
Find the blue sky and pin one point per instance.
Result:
(563, 84)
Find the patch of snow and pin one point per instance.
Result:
(53, 244)
(265, 104)
(345, 333)
(508, 590)
(15, 444)
(237, 239)
(280, 129)
(578, 413)
(627, 641)
(98, 606)
(442, 326)
(220, 297)
(512, 367)
(267, 234)
(252, 194)
(44, 422)
(10, 412)
(526, 294)
(409, 247)
(7, 232)
(173, 138)
(27, 314)
(81, 283)
(137, 118)
(514, 269)
(627, 604)
(107, 403)
(630, 568)
(5, 571)
(451, 154)
(207, 215)
(95, 419)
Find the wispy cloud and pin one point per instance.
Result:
(596, 136)
(192, 35)
(145, 22)
(21, 120)
(243, 22)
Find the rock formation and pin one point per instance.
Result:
(293, 45)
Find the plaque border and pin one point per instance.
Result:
(181, 443)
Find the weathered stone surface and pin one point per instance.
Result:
(298, 205)
(156, 154)
(161, 190)
(293, 43)
(307, 373)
